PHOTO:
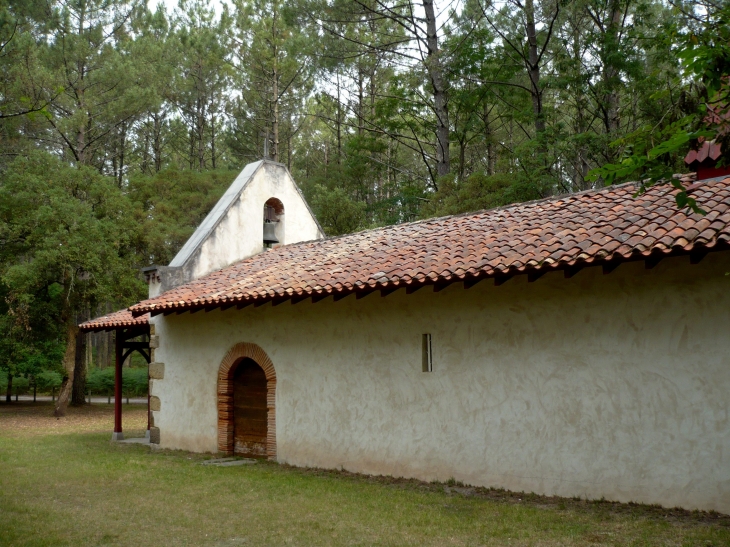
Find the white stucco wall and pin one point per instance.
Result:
(611, 386)
(239, 234)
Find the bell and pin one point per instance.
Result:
(269, 233)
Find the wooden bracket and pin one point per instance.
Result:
(652, 261)
(696, 255)
(299, 298)
(321, 296)
(388, 290)
(570, 271)
(501, 279)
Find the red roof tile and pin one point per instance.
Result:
(591, 227)
(116, 320)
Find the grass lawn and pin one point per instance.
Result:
(63, 483)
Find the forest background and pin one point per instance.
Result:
(121, 126)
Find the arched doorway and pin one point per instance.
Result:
(249, 410)
(244, 398)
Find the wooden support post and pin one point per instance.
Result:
(119, 340)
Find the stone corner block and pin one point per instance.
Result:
(154, 435)
(154, 342)
(155, 403)
(157, 371)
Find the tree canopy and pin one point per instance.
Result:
(121, 125)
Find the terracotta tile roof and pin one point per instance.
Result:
(588, 228)
(708, 149)
(118, 319)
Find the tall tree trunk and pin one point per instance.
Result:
(440, 99)
(78, 392)
(339, 120)
(275, 119)
(157, 141)
(212, 140)
(200, 137)
(69, 365)
(360, 99)
(489, 137)
(275, 86)
(610, 70)
(9, 391)
(122, 146)
(534, 71)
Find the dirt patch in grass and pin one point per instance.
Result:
(28, 418)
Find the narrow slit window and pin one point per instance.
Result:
(426, 353)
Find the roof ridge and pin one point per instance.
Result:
(434, 220)
(555, 197)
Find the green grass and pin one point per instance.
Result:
(63, 483)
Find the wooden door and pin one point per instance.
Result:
(249, 410)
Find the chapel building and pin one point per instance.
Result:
(574, 346)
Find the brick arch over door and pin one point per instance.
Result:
(225, 395)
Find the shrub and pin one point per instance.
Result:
(48, 380)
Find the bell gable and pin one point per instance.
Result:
(262, 208)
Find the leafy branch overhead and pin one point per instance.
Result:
(705, 56)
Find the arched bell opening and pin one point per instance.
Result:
(273, 223)
(246, 403)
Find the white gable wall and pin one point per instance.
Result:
(240, 233)
(609, 386)
(234, 228)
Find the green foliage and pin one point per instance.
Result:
(68, 243)
(336, 212)
(134, 381)
(170, 205)
(478, 191)
(48, 380)
(653, 152)
(66, 230)
(100, 381)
